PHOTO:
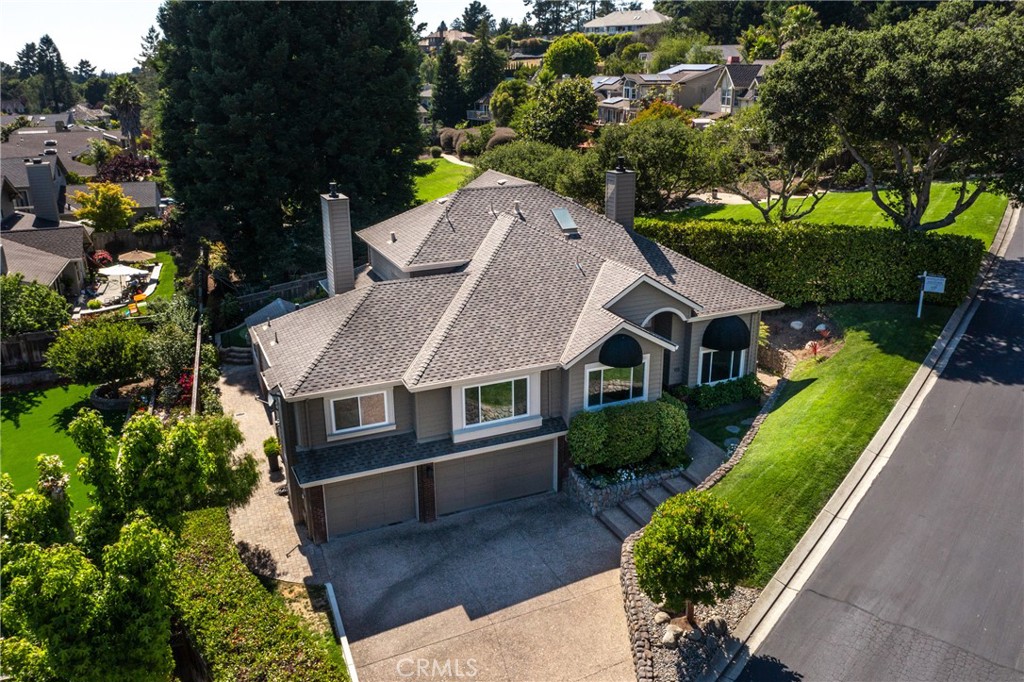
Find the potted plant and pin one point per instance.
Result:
(272, 449)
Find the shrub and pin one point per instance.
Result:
(710, 396)
(272, 447)
(629, 435)
(632, 433)
(446, 137)
(501, 136)
(29, 307)
(535, 161)
(801, 263)
(435, 152)
(694, 550)
(99, 351)
(151, 226)
(475, 140)
(241, 630)
(851, 178)
(94, 304)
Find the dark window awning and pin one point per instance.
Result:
(621, 350)
(726, 333)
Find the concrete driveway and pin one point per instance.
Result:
(526, 590)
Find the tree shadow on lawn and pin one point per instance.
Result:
(424, 167)
(14, 404)
(113, 420)
(894, 327)
(790, 391)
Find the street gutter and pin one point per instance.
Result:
(787, 582)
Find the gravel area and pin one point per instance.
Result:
(691, 659)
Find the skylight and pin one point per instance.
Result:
(565, 221)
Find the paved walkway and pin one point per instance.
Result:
(265, 523)
(456, 160)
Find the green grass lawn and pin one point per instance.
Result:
(826, 416)
(857, 208)
(437, 177)
(35, 422)
(165, 286)
(713, 428)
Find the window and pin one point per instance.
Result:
(629, 91)
(359, 412)
(607, 385)
(726, 96)
(720, 365)
(494, 402)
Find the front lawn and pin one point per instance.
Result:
(35, 422)
(437, 177)
(857, 208)
(165, 285)
(826, 416)
(718, 428)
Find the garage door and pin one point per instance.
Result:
(370, 501)
(503, 475)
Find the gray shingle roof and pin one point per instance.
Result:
(641, 17)
(35, 265)
(328, 346)
(145, 193)
(743, 75)
(28, 143)
(344, 459)
(66, 242)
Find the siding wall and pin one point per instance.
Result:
(384, 268)
(433, 414)
(572, 381)
(551, 393)
(311, 419)
(642, 301)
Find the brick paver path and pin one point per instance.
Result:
(265, 523)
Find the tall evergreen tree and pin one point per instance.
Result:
(475, 14)
(485, 66)
(555, 17)
(84, 71)
(449, 103)
(265, 103)
(56, 93)
(26, 61)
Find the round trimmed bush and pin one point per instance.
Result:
(447, 138)
(501, 136)
(632, 434)
(673, 431)
(586, 438)
(435, 152)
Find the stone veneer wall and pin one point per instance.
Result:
(633, 598)
(595, 500)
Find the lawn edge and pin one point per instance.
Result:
(779, 591)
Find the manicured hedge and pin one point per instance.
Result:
(630, 435)
(802, 263)
(241, 630)
(722, 393)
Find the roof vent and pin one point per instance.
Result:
(442, 200)
(333, 190)
(565, 221)
(519, 212)
(394, 237)
(502, 181)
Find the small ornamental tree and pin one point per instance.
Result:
(105, 206)
(98, 352)
(30, 307)
(127, 168)
(694, 551)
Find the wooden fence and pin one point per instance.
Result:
(25, 352)
(119, 241)
(289, 291)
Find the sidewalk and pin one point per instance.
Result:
(456, 160)
(265, 523)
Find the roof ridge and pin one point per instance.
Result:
(451, 197)
(422, 361)
(366, 291)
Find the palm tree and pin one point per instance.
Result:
(799, 21)
(126, 97)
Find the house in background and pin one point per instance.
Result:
(606, 86)
(481, 111)
(616, 110)
(685, 85)
(39, 245)
(625, 21)
(433, 41)
(736, 87)
(443, 376)
(146, 194)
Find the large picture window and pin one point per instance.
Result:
(359, 412)
(721, 365)
(607, 385)
(494, 402)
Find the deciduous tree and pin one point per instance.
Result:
(105, 206)
(904, 101)
(561, 112)
(99, 351)
(571, 55)
(30, 306)
(507, 97)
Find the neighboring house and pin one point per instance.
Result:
(444, 376)
(731, 54)
(423, 114)
(736, 88)
(606, 86)
(616, 110)
(685, 85)
(427, 96)
(145, 194)
(433, 41)
(481, 111)
(625, 21)
(11, 106)
(84, 114)
(41, 246)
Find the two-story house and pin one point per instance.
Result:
(444, 375)
(625, 21)
(685, 85)
(736, 87)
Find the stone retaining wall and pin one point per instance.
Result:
(595, 500)
(108, 404)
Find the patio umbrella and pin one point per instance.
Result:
(136, 256)
(121, 271)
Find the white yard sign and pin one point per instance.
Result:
(932, 284)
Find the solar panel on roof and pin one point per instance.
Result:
(676, 68)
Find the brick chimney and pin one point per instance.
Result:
(734, 59)
(42, 189)
(620, 194)
(337, 241)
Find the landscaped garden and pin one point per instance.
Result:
(437, 177)
(857, 208)
(826, 415)
(35, 422)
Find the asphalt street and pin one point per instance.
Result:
(926, 581)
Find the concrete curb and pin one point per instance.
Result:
(350, 662)
(785, 585)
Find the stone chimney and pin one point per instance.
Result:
(337, 241)
(620, 194)
(42, 189)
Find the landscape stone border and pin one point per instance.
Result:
(595, 500)
(642, 640)
(108, 404)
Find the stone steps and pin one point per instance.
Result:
(639, 509)
(656, 495)
(678, 485)
(619, 522)
(236, 356)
